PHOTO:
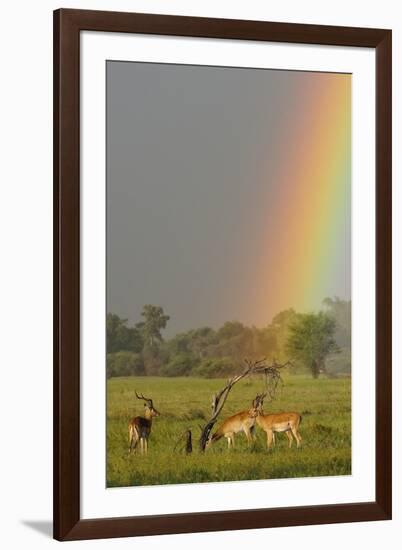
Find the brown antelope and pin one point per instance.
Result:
(139, 428)
(287, 422)
(240, 422)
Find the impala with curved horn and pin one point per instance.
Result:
(139, 428)
(287, 422)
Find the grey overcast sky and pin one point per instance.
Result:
(194, 159)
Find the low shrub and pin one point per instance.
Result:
(179, 365)
(216, 367)
(124, 363)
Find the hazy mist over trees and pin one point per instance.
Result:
(319, 343)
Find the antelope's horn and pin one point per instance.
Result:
(142, 397)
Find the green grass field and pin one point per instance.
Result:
(325, 406)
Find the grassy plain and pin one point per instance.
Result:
(325, 406)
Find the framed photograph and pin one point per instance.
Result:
(222, 274)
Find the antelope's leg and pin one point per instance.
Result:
(130, 438)
(133, 439)
(270, 436)
(296, 435)
(297, 431)
(146, 445)
(290, 438)
(248, 436)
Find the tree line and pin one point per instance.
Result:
(318, 342)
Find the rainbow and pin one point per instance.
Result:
(312, 199)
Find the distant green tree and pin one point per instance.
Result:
(194, 342)
(199, 341)
(180, 343)
(280, 326)
(283, 318)
(230, 329)
(341, 311)
(153, 360)
(265, 343)
(311, 340)
(155, 320)
(121, 337)
(232, 340)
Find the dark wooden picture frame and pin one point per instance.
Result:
(67, 27)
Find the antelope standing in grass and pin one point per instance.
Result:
(139, 428)
(287, 422)
(240, 422)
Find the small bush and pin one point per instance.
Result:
(215, 368)
(179, 365)
(124, 363)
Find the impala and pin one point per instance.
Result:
(240, 422)
(287, 422)
(139, 428)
